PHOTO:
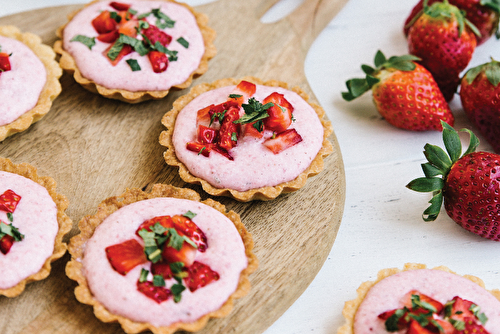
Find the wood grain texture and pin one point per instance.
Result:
(96, 148)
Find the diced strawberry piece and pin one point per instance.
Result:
(186, 254)
(473, 327)
(162, 268)
(228, 129)
(203, 116)
(280, 115)
(460, 309)
(249, 130)
(245, 89)
(129, 27)
(415, 328)
(223, 152)
(446, 327)
(9, 201)
(191, 230)
(199, 148)
(165, 221)
(407, 301)
(158, 60)
(158, 293)
(125, 256)
(402, 322)
(109, 37)
(199, 275)
(4, 62)
(221, 107)
(283, 140)
(119, 5)
(104, 23)
(206, 135)
(6, 243)
(127, 49)
(154, 34)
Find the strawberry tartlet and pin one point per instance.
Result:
(32, 225)
(29, 80)
(161, 261)
(135, 50)
(421, 300)
(246, 139)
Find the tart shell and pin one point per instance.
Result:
(63, 220)
(88, 224)
(262, 193)
(51, 89)
(68, 63)
(351, 307)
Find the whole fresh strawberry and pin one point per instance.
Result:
(484, 14)
(444, 40)
(404, 93)
(480, 96)
(468, 184)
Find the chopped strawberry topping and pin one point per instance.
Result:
(9, 201)
(228, 130)
(418, 302)
(283, 140)
(206, 135)
(280, 115)
(460, 309)
(154, 34)
(200, 148)
(186, 254)
(157, 293)
(127, 49)
(165, 221)
(161, 268)
(119, 5)
(129, 28)
(415, 328)
(249, 129)
(125, 256)
(191, 230)
(4, 62)
(158, 60)
(199, 275)
(245, 89)
(109, 37)
(472, 327)
(6, 243)
(203, 116)
(104, 23)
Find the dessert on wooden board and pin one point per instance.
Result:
(33, 223)
(29, 80)
(247, 139)
(161, 261)
(421, 300)
(135, 50)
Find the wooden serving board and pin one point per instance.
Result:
(96, 148)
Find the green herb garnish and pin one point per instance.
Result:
(144, 275)
(9, 229)
(88, 41)
(158, 280)
(234, 136)
(189, 215)
(115, 16)
(10, 216)
(163, 21)
(183, 42)
(134, 65)
(254, 112)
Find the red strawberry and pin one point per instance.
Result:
(206, 135)
(459, 309)
(199, 275)
(104, 23)
(283, 140)
(228, 130)
(9, 201)
(154, 34)
(203, 149)
(127, 49)
(191, 230)
(249, 129)
(444, 41)
(484, 14)
(445, 327)
(404, 93)
(6, 243)
(165, 221)
(125, 256)
(4, 62)
(419, 303)
(472, 327)
(203, 116)
(158, 60)
(119, 6)
(109, 37)
(129, 28)
(157, 293)
(280, 114)
(162, 268)
(245, 89)
(415, 328)
(186, 254)
(399, 319)
(480, 96)
(468, 184)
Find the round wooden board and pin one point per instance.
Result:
(96, 148)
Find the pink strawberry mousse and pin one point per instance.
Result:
(440, 285)
(96, 67)
(254, 165)
(225, 255)
(36, 217)
(20, 87)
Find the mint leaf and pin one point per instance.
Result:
(189, 215)
(134, 65)
(183, 42)
(163, 21)
(88, 41)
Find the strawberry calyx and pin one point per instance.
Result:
(491, 70)
(446, 12)
(358, 86)
(438, 166)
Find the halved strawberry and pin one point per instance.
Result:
(280, 115)
(199, 275)
(206, 135)
(119, 5)
(415, 328)
(191, 230)
(9, 201)
(104, 23)
(421, 303)
(154, 34)
(127, 49)
(162, 268)
(125, 256)
(109, 37)
(283, 140)
(157, 293)
(158, 60)
(245, 89)
(459, 309)
(6, 243)
(4, 62)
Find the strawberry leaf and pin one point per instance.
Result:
(425, 184)
(379, 59)
(492, 71)
(473, 142)
(367, 69)
(430, 170)
(437, 157)
(451, 142)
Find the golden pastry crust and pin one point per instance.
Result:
(263, 193)
(351, 307)
(50, 91)
(63, 220)
(88, 225)
(67, 62)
